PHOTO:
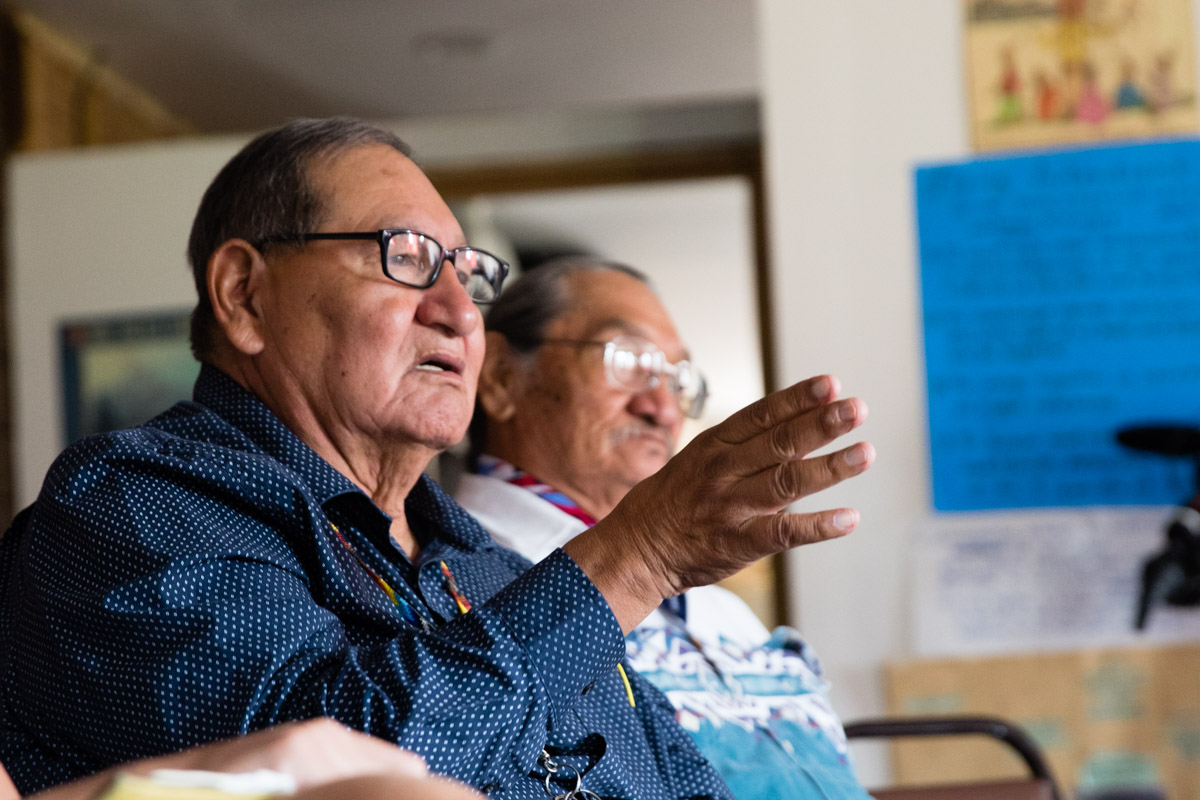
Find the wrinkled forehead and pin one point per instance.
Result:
(374, 186)
(601, 304)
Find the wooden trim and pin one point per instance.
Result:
(602, 170)
(12, 102)
(100, 77)
(742, 159)
(12, 125)
(73, 98)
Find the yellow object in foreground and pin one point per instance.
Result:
(196, 785)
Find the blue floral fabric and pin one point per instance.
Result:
(760, 712)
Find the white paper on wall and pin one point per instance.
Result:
(1043, 580)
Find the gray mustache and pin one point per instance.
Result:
(638, 428)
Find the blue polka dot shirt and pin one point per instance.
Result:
(182, 582)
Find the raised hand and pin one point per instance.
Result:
(718, 506)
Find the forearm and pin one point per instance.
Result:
(84, 789)
(313, 754)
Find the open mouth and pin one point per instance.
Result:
(440, 364)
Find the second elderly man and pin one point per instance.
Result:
(584, 390)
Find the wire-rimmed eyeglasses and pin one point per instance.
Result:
(635, 365)
(415, 259)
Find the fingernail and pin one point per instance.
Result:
(856, 456)
(847, 412)
(845, 520)
(820, 389)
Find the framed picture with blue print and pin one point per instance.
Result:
(119, 371)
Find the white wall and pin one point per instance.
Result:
(93, 233)
(854, 94)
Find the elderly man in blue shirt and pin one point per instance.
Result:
(271, 551)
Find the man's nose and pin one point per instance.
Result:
(659, 404)
(447, 305)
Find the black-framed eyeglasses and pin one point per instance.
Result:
(634, 364)
(415, 259)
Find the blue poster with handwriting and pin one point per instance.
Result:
(1061, 301)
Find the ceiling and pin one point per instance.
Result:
(239, 65)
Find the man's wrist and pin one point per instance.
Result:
(623, 576)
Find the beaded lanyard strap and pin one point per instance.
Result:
(406, 609)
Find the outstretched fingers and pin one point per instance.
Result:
(794, 438)
(781, 484)
(778, 407)
(775, 533)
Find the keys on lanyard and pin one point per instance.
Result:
(564, 772)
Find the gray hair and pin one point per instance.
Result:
(265, 191)
(527, 307)
(540, 296)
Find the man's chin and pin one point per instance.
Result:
(435, 438)
(648, 462)
(444, 441)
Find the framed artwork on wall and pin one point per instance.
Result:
(1051, 72)
(120, 371)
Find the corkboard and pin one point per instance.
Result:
(1103, 718)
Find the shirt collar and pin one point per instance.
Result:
(491, 466)
(242, 409)
(454, 525)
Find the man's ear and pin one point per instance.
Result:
(235, 273)
(499, 379)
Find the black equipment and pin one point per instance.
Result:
(1172, 575)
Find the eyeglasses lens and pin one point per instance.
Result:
(412, 258)
(479, 272)
(632, 365)
(638, 366)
